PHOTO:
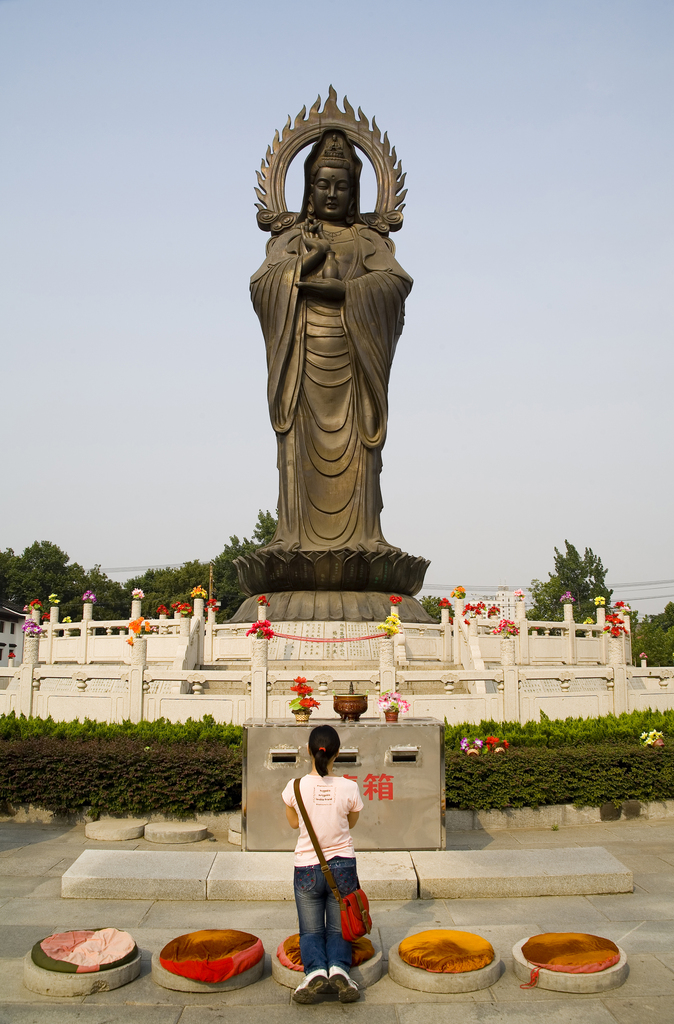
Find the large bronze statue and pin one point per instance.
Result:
(330, 297)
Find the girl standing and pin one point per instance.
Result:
(333, 805)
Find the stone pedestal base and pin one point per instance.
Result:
(559, 981)
(425, 981)
(58, 983)
(364, 975)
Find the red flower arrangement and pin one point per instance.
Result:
(302, 700)
(211, 603)
(476, 609)
(35, 603)
(395, 599)
(184, 608)
(45, 618)
(162, 610)
(493, 610)
(262, 600)
(261, 629)
(615, 626)
(11, 654)
(496, 745)
(444, 602)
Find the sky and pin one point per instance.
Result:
(531, 393)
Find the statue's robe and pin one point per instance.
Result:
(329, 366)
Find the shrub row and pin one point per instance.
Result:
(567, 732)
(587, 776)
(120, 776)
(162, 731)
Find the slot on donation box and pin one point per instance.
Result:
(348, 755)
(402, 755)
(283, 755)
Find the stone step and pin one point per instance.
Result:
(466, 874)
(146, 874)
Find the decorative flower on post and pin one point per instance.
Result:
(615, 626)
(68, 618)
(519, 594)
(567, 598)
(211, 603)
(459, 592)
(185, 608)
(140, 627)
(198, 592)
(444, 602)
(391, 625)
(392, 701)
(643, 655)
(475, 609)
(11, 655)
(506, 627)
(32, 628)
(262, 601)
(89, 596)
(493, 610)
(46, 617)
(162, 610)
(137, 594)
(54, 599)
(589, 621)
(35, 603)
(622, 608)
(395, 599)
(261, 630)
(600, 601)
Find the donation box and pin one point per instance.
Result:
(399, 768)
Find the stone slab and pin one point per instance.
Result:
(426, 981)
(457, 874)
(558, 981)
(175, 832)
(57, 983)
(137, 874)
(115, 830)
(364, 975)
(179, 984)
(269, 876)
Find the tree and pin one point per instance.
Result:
(225, 578)
(655, 637)
(432, 606)
(584, 577)
(165, 586)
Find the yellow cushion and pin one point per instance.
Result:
(575, 952)
(442, 951)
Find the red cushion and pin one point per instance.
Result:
(571, 952)
(289, 955)
(211, 955)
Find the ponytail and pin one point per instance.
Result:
(323, 745)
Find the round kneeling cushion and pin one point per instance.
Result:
(213, 955)
(366, 962)
(569, 962)
(84, 952)
(442, 960)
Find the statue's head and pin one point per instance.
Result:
(332, 178)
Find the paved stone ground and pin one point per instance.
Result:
(33, 858)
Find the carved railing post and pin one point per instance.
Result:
(258, 678)
(387, 672)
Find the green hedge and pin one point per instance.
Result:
(567, 732)
(120, 776)
(587, 776)
(162, 731)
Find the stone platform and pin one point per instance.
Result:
(390, 875)
(465, 874)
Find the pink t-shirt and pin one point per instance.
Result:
(328, 801)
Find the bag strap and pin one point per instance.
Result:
(317, 846)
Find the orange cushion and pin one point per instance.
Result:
(289, 954)
(442, 951)
(571, 952)
(211, 955)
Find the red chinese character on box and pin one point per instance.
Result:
(380, 786)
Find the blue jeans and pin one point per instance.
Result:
(321, 942)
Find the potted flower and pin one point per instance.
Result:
(652, 738)
(599, 602)
(644, 659)
(493, 610)
(137, 596)
(495, 745)
(185, 609)
(140, 628)
(392, 704)
(198, 592)
(519, 594)
(88, 602)
(471, 747)
(615, 628)
(567, 598)
(262, 601)
(303, 704)
(162, 611)
(507, 631)
(395, 599)
(32, 631)
(459, 592)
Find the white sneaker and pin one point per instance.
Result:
(341, 982)
(312, 986)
